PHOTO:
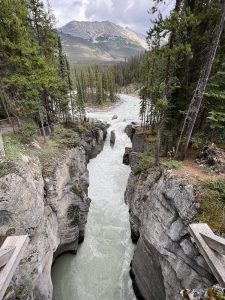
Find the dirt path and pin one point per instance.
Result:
(192, 171)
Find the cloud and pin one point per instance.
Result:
(131, 13)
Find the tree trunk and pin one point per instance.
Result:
(171, 43)
(158, 144)
(166, 87)
(42, 127)
(196, 101)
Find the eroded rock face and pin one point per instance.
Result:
(51, 208)
(165, 260)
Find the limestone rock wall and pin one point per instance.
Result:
(52, 209)
(165, 260)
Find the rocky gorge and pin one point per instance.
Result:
(161, 207)
(50, 207)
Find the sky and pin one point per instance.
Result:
(131, 13)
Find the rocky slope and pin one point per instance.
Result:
(105, 41)
(161, 208)
(51, 208)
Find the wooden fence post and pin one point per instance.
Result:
(2, 149)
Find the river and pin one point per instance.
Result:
(100, 270)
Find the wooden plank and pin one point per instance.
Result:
(215, 242)
(19, 243)
(215, 261)
(5, 255)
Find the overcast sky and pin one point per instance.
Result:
(132, 13)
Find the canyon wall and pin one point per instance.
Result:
(51, 207)
(161, 208)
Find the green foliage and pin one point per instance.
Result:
(218, 188)
(28, 131)
(220, 295)
(146, 161)
(151, 139)
(216, 119)
(197, 141)
(34, 71)
(169, 72)
(95, 85)
(77, 190)
(212, 210)
(13, 146)
(172, 164)
(21, 292)
(161, 104)
(67, 137)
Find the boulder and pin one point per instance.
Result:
(112, 137)
(131, 129)
(126, 158)
(114, 117)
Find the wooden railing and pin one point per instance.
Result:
(212, 248)
(11, 252)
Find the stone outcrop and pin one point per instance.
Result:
(126, 156)
(112, 137)
(93, 141)
(51, 208)
(165, 260)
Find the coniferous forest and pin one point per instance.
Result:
(181, 76)
(35, 74)
(158, 180)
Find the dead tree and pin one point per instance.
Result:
(196, 101)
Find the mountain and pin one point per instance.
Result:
(99, 42)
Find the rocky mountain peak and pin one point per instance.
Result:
(97, 29)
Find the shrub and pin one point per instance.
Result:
(67, 137)
(220, 295)
(27, 132)
(151, 139)
(196, 141)
(146, 161)
(77, 190)
(172, 164)
(212, 209)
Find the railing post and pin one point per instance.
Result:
(12, 252)
(2, 148)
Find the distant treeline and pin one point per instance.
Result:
(95, 85)
(99, 84)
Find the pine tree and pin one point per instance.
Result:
(196, 101)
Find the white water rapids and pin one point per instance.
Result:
(100, 270)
